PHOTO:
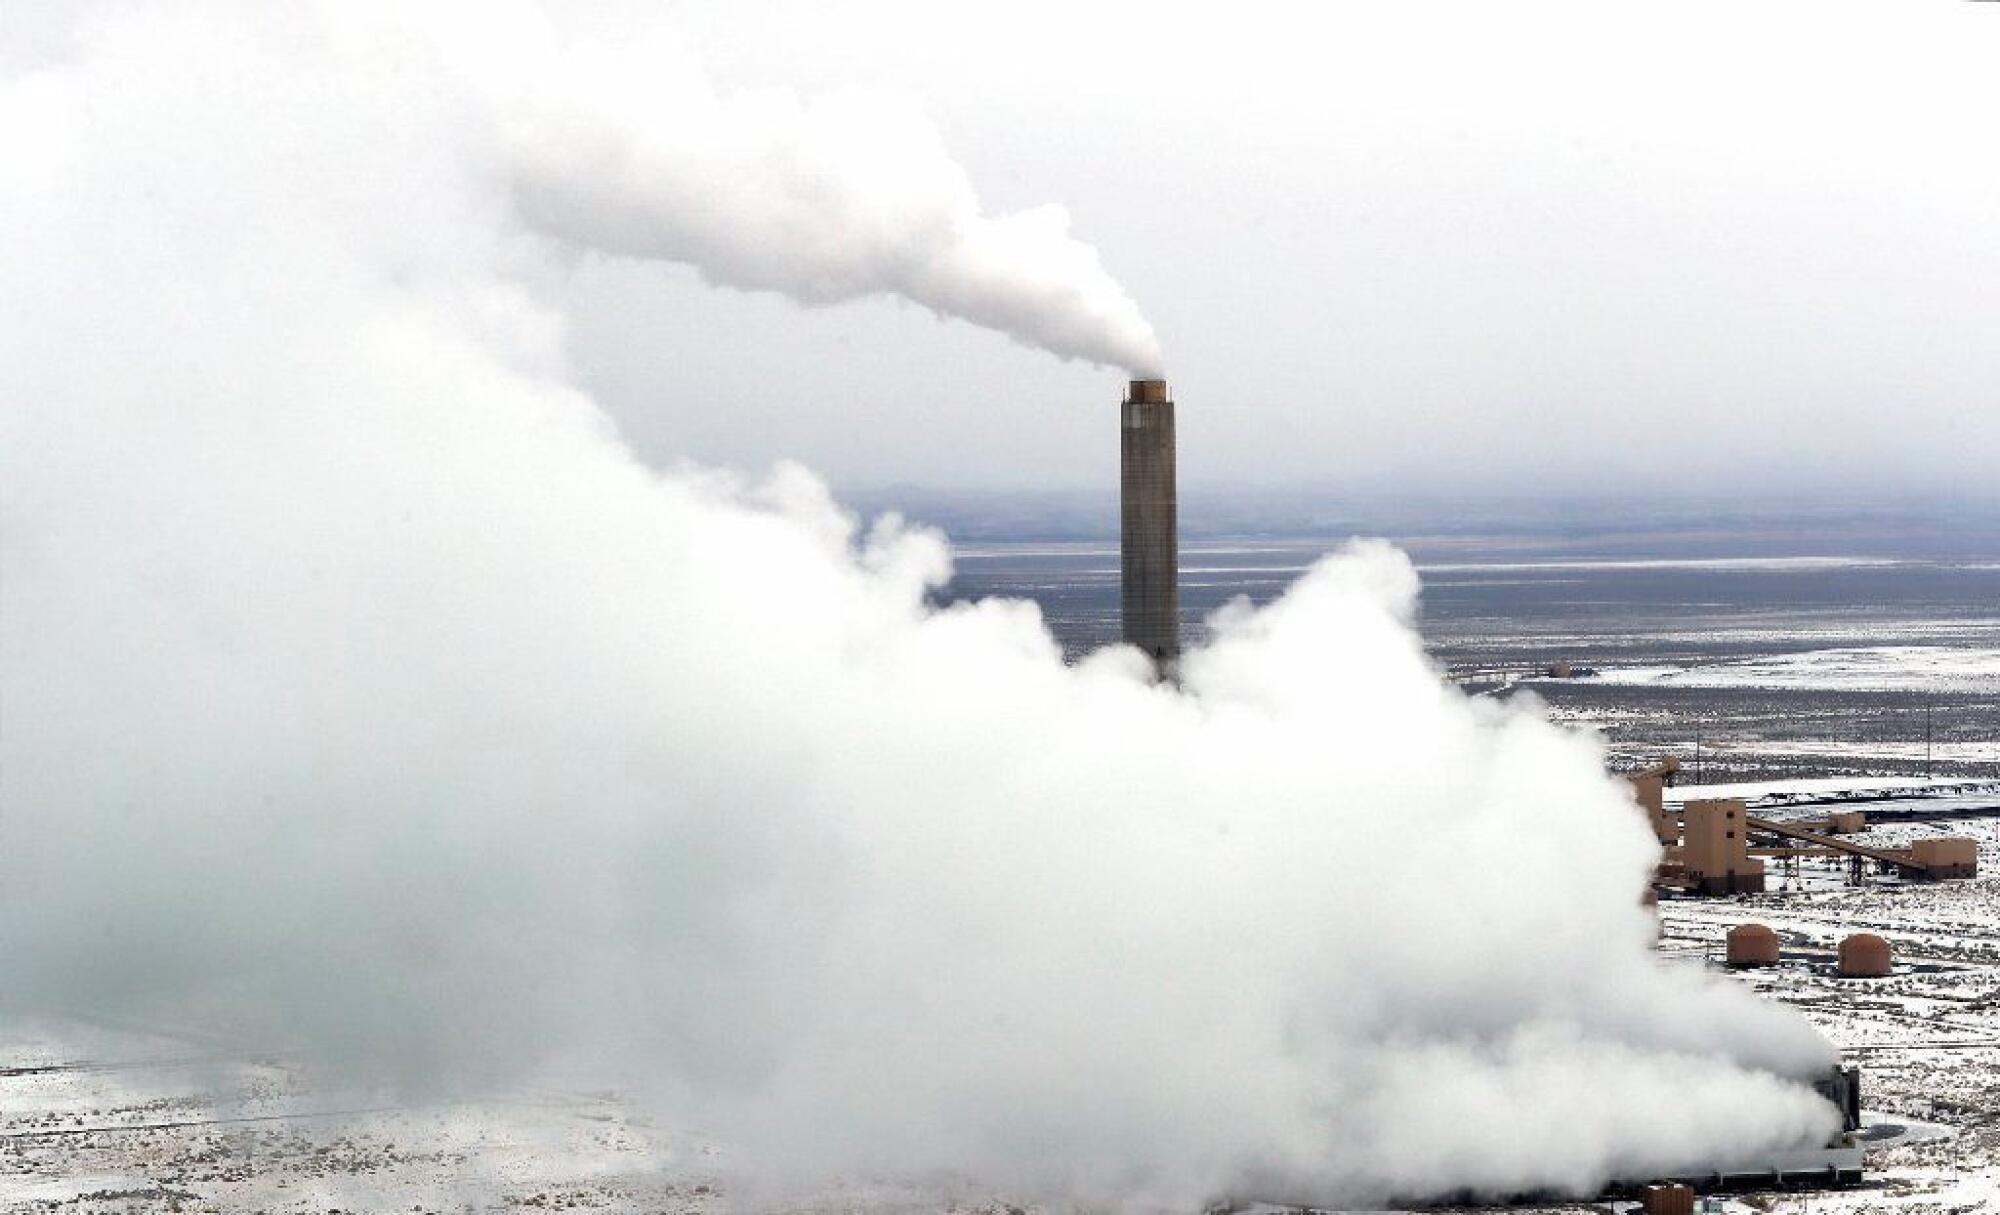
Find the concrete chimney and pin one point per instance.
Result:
(1149, 531)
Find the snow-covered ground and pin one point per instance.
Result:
(1889, 792)
(93, 1119)
(97, 1119)
(1702, 564)
(1879, 668)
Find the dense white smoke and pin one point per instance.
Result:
(365, 697)
(630, 151)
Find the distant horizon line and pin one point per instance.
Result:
(1775, 497)
(1623, 524)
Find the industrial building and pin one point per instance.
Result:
(1715, 846)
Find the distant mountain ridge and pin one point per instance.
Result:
(1580, 525)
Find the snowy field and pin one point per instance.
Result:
(1885, 794)
(1774, 665)
(1882, 668)
(102, 1120)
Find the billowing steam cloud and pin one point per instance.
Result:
(365, 697)
(842, 196)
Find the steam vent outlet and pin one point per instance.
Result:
(1149, 528)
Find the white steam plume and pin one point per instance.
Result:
(833, 198)
(366, 698)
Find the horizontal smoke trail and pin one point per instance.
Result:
(834, 198)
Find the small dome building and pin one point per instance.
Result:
(1751, 945)
(1865, 956)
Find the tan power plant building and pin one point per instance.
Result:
(1715, 846)
(1716, 850)
(1947, 857)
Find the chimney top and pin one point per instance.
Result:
(1150, 392)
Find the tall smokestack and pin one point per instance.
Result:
(1149, 528)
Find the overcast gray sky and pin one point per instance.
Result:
(1490, 247)
(1506, 246)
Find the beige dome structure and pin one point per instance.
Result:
(1751, 945)
(1864, 956)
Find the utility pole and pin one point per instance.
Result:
(1927, 738)
(1697, 754)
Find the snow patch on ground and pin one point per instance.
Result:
(1837, 788)
(1887, 668)
(1776, 565)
